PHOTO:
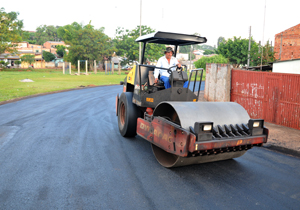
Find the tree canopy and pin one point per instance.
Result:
(86, 43)
(27, 58)
(10, 31)
(29, 37)
(220, 40)
(68, 32)
(201, 63)
(268, 54)
(128, 48)
(48, 56)
(60, 50)
(46, 33)
(236, 50)
(209, 52)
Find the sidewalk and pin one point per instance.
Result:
(281, 138)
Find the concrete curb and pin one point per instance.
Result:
(282, 150)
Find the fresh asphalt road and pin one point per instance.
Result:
(64, 151)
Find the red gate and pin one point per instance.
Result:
(274, 97)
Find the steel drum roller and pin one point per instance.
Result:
(186, 114)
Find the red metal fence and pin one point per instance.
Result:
(274, 97)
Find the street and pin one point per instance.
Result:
(64, 151)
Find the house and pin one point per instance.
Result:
(9, 58)
(26, 48)
(39, 61)
(288, 66)
(287, 51)
(51, 45)
(287, 44)
(33, 49)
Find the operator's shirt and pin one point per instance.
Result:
(163, 62)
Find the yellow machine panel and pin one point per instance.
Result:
(131, 75)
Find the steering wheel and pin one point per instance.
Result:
(177, 69)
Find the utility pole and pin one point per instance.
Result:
(191, 57)
(249, 47)
(140, 49)
(262, 49)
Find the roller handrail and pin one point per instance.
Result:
(191, 73)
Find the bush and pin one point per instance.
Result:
(48, 56)
(17, 62)
(201, 63)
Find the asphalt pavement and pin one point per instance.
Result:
(64, 151)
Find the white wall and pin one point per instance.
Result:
(292, 67)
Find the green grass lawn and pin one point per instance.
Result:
(49, 80)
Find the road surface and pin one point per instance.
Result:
(64, 151)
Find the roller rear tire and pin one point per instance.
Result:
(128, 114)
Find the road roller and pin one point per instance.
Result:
(181, 130)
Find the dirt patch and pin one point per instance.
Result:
(282, 136)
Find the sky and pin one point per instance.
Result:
(209, 18)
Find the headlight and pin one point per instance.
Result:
(207, 127)
(256, 126)
(203, 130)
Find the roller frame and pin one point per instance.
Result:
(178, 141)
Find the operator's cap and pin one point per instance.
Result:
(169, 49)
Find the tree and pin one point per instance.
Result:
(128, 48)
(220, 40)
(236, 50)
(209, 52)
(48, 56)
(2, 63)
(206, 47)
(201, 63)
(68, 32)
(29, 37)
(18, 62)
(27, 58)
(86, 43)
(10, 31)
(60, 50)
(46, 33)
(268, 54)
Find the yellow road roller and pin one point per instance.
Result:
(181, 130)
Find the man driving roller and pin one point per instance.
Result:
(167, 61)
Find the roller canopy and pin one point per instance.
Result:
(160, 37)
(187, 113)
